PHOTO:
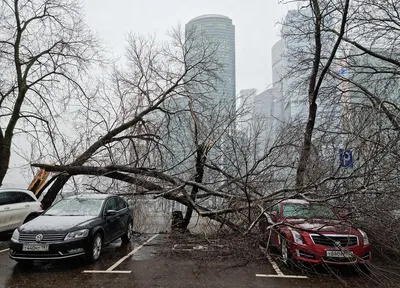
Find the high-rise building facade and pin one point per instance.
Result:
(220, 30)
(244, 108)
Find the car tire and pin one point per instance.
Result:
(94, 250)
(126, 238)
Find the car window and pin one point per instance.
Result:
(309, 211)
(275, 208)
(120, 204)
(23, 197)
(76, 207)
(7, 198)
(111, 204)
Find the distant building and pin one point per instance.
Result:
(220, 30)
(367, 75)
(244, 108)
(278, 65)
(214, 108)
(294, 47)
(179, 137)
(267, 115)
(291, 67)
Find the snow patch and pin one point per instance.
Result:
(295, 201)
(54, 223)
(89, 196)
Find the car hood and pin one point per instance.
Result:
(322, 225)
(56, 223)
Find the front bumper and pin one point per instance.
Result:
(318, 254)
(59, 250)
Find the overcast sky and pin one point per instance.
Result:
(256, 32)
(255, 22)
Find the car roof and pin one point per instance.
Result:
(295, 201)
(90, 196)
(15, 190)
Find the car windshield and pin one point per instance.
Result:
(308, 211)
(76, 207)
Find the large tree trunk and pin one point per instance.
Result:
(53, 191)
(315, 83)
(62, 180)
(148, 185)
(306, 149)
(200, 159)
(5, 153)
(312, 99)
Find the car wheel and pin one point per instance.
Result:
(93, 253)
(126, 238)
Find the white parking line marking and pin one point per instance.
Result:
(103, 271)
(277, 269)
(111, 269)
(281, 276)
(131, 253)
(274, 265)
(1, 251)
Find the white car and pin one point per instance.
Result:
(17, 206)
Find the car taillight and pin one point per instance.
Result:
(41, 206)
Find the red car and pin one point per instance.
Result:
(312, 232)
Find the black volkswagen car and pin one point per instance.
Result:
(75, 226)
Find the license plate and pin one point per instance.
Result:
(35, 247)
(340, 253)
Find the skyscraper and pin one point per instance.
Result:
(219, 29)
(244, 108)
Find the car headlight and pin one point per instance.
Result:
(77, 234)
(15, 235)
(364, 237)
(297, 237)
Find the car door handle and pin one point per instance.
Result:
(6, 208)
(26, 205)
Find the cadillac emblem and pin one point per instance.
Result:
(39, 238)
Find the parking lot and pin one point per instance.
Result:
(152, 261)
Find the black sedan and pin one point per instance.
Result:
(75, 226)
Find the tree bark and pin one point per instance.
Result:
(312, 99)
(6, 138)
(315, 84)
(5, 153)
(200, 160)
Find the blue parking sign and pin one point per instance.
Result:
(346, 158)
(343, 71)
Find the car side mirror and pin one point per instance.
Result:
(110, 212)
(274, 216)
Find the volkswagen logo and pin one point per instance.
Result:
(39, 238)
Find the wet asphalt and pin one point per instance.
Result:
(150, 266)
